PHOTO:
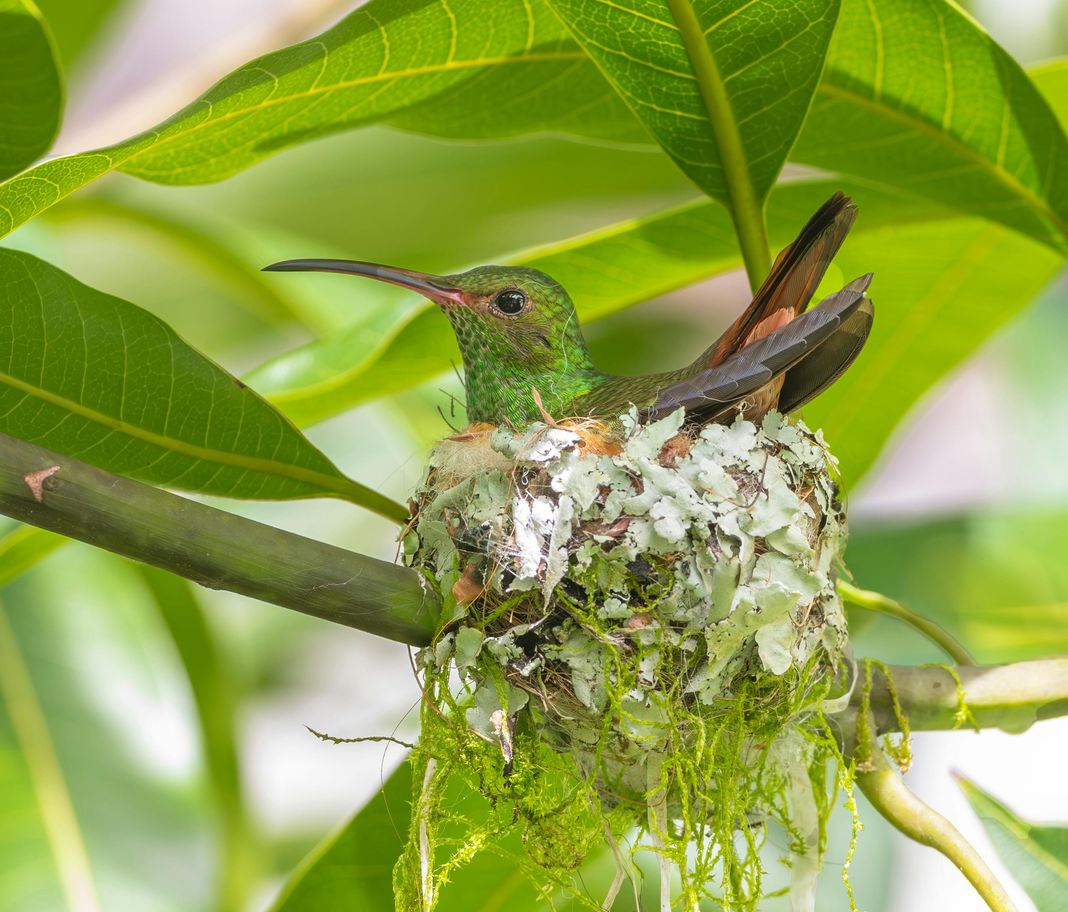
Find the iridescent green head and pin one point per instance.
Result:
(516, 327)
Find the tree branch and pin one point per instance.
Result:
(212, 547)
(885, 788)
(1010, 697)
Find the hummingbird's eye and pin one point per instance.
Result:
(510, 302)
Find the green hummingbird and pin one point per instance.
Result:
(525, 358)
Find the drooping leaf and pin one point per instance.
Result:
(402, 341)
(381, 60)
(1036, 855)
(31, 88)
(940, 291)
(917, 96)
(723, 85)
(104, 381)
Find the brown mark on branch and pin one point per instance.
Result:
(35, 481)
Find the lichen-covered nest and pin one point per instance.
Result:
(657, 606)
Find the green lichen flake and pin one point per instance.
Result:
(643, 637)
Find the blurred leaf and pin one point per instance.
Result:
(23, 547)
(75, 24)
(38, 809)
(996, 579)
(403, 341)
(105, 381)
(380, 60)
(917, 96)
(940, 291)
(353, 867)
(213, 690)
(1037, 856)
(31, 88)
(723, 85)
(210, 249)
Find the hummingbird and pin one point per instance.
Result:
(525, 358)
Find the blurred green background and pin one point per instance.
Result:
(205, 795)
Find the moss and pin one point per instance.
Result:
(643, 632)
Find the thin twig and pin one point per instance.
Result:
(881, 604)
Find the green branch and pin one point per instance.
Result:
(747, 212)
(880, 604)
(884, 787)
(212, 547)
(1011, 697)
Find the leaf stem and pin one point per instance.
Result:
(747, 212)
(881, 604)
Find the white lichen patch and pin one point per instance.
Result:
(658, 605)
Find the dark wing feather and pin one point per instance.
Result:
(714, 392)
(793, 279)
(811, 376)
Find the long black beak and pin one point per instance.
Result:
(430, 286)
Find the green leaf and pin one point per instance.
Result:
(23, 547)
(353, 867)
(1037, 856)
(918, 97)
(940, 290)
(107, 382)
(402, 341)
(381, 60)
(723, 86)
(31, 88)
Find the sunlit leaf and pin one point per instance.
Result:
(1037, 856)
(382, 59)
(31, 88)
(105, 381)
(723, 85)
(918, 97)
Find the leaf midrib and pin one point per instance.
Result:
(406, 73)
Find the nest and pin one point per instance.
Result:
(656, 605)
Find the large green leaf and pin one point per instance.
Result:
(1037, 856)
(917, 96)
(381, 60)
(940, 291)
(31, 88)
(402, 341)
(95, 377)
(723, 85)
